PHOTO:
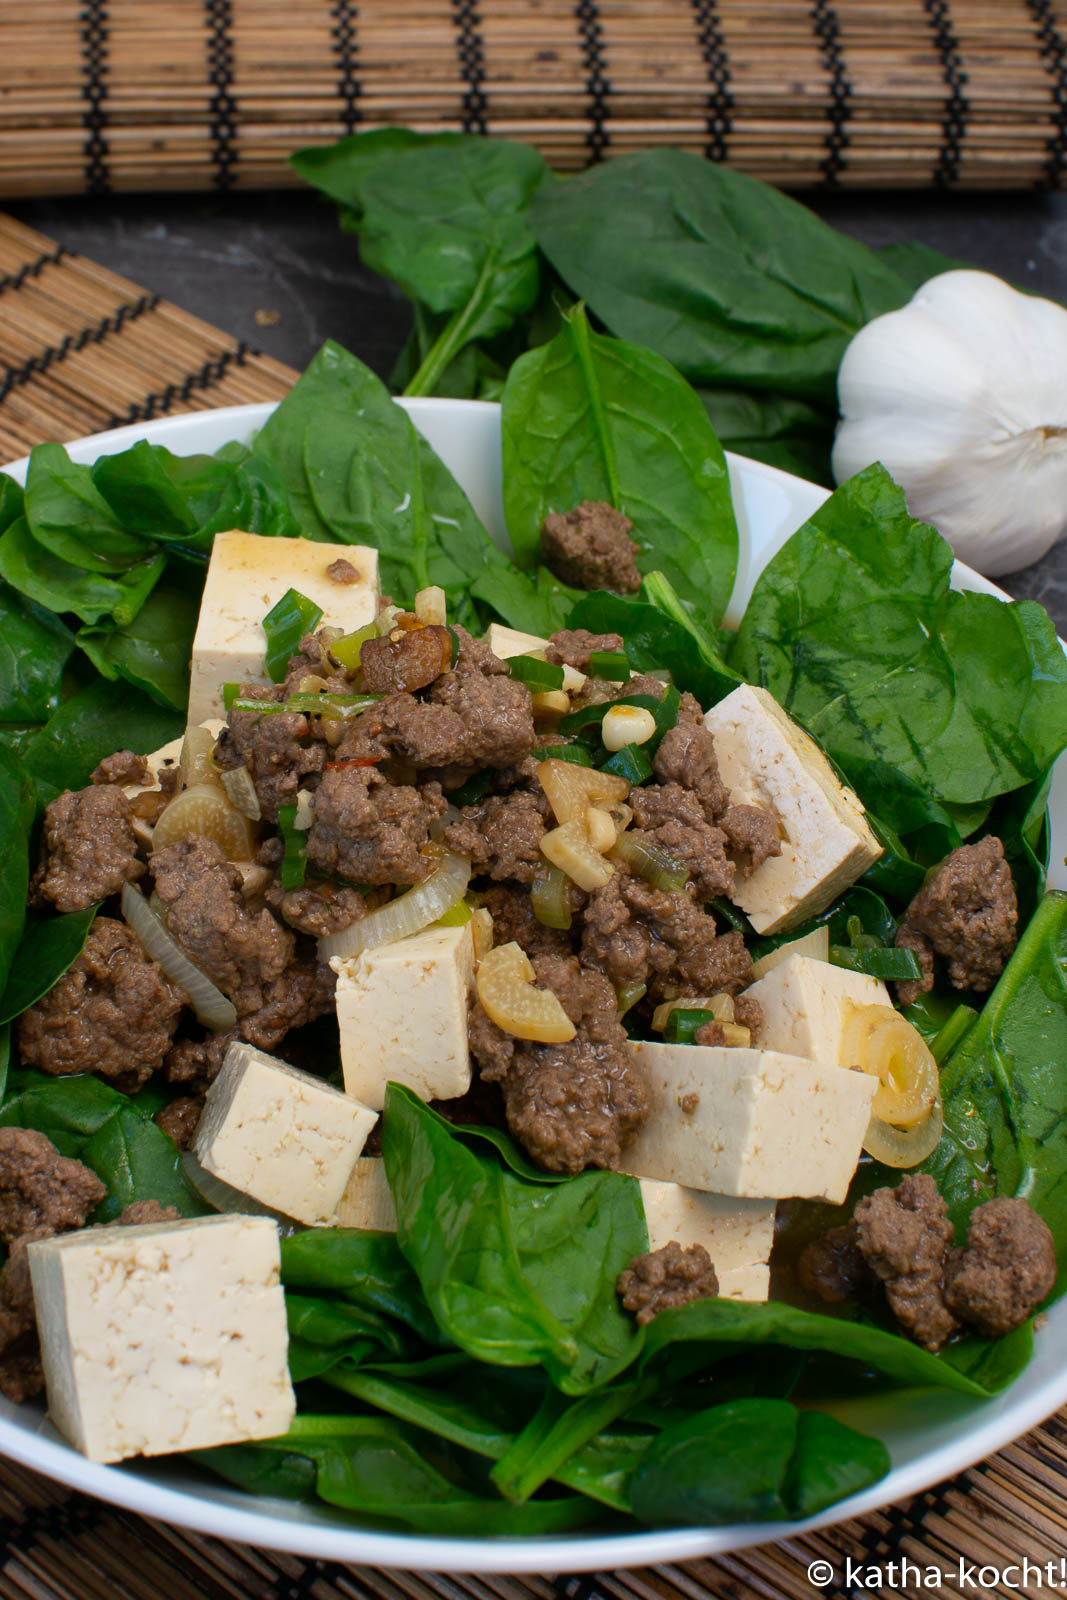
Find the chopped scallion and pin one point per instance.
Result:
(540, 676)
(631, 763)
(577, 754)
(609, 664)
(683, 1025)
(285, 625)
(294, 862)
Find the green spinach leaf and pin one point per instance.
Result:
(69, 518)
(153, 651)
(59, 586)
(16, 818)
(590, 418)
(89, 726)
(49, 946)
(655, 639)
(35, 647)
(774, 428)
(365, 1267)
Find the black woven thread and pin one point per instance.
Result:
(159, 402)
(957, 106)
(53, 354)
(597, 86)
(717, 66)
(828, 33)
(1054, 57)
(471, 55)
(61, 1523)
(222, 106)
(93, 18)
(905, 1521)
(31, 269)
(346, 49)
(579, 1587)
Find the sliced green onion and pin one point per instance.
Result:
(294, 862)
(456, 916)
(550, 897)
(881, 961)
(649, 861)
(230, 692)
(629, 995)
(469, 793)
(330, 705)
(683, 1025)
(538, 675)
(631, 762)
(609, 664)
(577, 754)
(348, 649)
(285, 625)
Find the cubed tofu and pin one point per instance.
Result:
(402, 1013)
(169, 1336)
(751, 1123)
(766, 760)
(247, 575)
(367, 1201)
(285, 1137)
(737, 1234)
(807, 1006)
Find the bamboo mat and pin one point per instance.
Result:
(82, 349)
(109, 95)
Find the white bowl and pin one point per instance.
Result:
(930, 1435)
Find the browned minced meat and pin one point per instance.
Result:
(502, 834)
(572, 647)
(967, 915)
(674, 820)
(342, 571)
(39, 1188)
(123, 767)
(299, 995)
(637, 934)
(905, 1235)
(89, 848)
(514, 922)
(21, 1372)
(180, 1120)
(112, 1013)
(371, 831)
(686, 755)
(1007, 1269)
(674, 1275)
(277, 750)
(710, 1033)
(476, 656)
(139, 1212)
(833, 1267)
(590, 547)
(405, 659)
(748, 1013)
(312, 660)
(495, 713)
(751, 833)
(240, 950)
(320, 909)
(571, 1105)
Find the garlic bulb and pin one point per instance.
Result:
(962, 395)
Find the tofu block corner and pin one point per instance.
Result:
(168, 1336)
(765, 759)
(280, 1135)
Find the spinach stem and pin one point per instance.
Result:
(457, 332)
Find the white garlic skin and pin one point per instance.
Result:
(962, 395)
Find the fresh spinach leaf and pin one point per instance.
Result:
(136, 486)
(93, 724)
(919, 694)
(94, 1123)
(339, 169)
(35, 646)
(48, 947)
(515, 1272)
(60, 587)
(12, 500)
(729, 279)
(655, 639)
(776, 429)
(153, 651)
(16, 818)
(1003, 1088)
(365, 1267)
(590, 418)
(68, 517)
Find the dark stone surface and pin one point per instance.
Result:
(227, 258)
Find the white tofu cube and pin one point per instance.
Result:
(807, 1006)
(766, 760)
(402, 1013)
(752, 1123)
(169, 1336)
(367, 1201)
(282, 1136)
(246, 577)
(737, 1234)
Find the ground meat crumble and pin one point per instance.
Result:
(967, 915)
(674, 1275)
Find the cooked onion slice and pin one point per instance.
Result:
(241, 792)
(197, 758)
(408, 913)
(205, 811)
(511, 1000)
(650, 861)
(550, 897)
(568, 848)
(210, 1004)
(906, 1116)
(904, 1147)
